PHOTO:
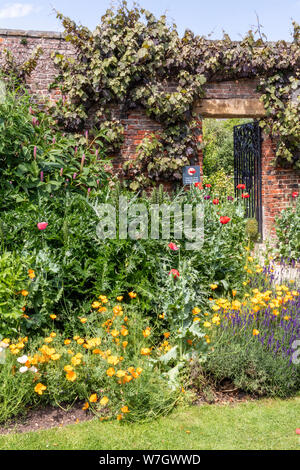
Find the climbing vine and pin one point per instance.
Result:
(133, 59)
(281, 99)
(16, 73)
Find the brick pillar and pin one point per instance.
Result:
(277, 186)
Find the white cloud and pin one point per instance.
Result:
(16, 10)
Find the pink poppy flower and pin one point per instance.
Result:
(42, 225)
(173, 246)
(295, 194)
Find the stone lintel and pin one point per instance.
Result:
(230, 108)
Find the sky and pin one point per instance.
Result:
(204, 17)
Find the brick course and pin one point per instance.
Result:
(277, 183)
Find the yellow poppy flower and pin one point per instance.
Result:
(145, 351)
(104, 401)
(146, 332)
(71, 375)
(132, 295)
(110, 372)
(125, 409)
(40, 388)
(93, 398)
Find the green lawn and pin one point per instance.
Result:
(265, 424)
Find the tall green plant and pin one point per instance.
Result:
(37, 158)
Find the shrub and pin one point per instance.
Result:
(15, 388)
(254, 346)
(221, 182)
(252, 229)
(112, 363)
(38, 160)
(253, 369)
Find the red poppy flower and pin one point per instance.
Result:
(241, 186)
(198, 185)
(173, 246)
(208, 185)
(295, 194)
(174, 273)
(245, 195)
(42, 225)
(224, 219)
(216, 201)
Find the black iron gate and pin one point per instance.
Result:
(247, 167)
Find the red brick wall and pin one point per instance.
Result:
(45, 71)
(277, 183)
(243, 88)
(277, 186)
(137, 125)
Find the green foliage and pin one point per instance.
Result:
(218, 145)
(72, 263)
(37, 158)
(288, 233)
(281, 98)
(222, 184)
(252, 229)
